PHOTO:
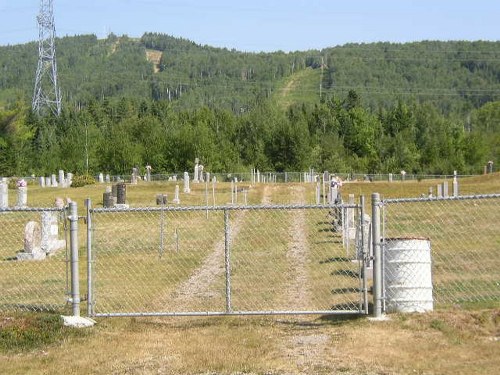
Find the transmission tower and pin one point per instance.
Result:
(46, 95)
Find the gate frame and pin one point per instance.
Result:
(363, 290)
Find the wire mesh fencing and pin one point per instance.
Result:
(441, 252)
(33, 259)
(222, 260)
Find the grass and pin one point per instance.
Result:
(444, 342)
(456, 338)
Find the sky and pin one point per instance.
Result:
(261, 25)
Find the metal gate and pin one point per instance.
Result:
(227, 260)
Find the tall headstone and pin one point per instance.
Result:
(22, 196)
(50, 241)
(196, 177)
(135, 174)
(61, 178)
(445, 189)
(4, 193)
(69, 179)
(54, 180)
(200, 173)
(41, 181)
(121, 193)
(108, 200)
(439, 191)
(187, 189)
(455, 184)
(101, 178)
(107, 179)
(48, 181)
(176, 199)
(148, 173)
(207, 176)
(390, 177)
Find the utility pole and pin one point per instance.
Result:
(46, 95)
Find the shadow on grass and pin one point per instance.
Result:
(335, 259)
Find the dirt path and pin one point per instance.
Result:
(304, 348)
(195, 293)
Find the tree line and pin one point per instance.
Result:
(337, 134)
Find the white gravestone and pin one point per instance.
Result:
(4, 193)
(32, 243)
(54, 180)
(22, 196)
(61, 178)
(48, 182)
(186, 183)
(41, 182)
(101, 178)
(50, 241)
(176, 199)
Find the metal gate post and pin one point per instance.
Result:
(377, 257)
(364, 255)
(227, 258)
(90, 298)
(75, 278)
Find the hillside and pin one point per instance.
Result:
(455, 76)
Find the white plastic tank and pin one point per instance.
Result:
(408, 275)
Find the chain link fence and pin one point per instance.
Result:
(223, 260)
(34, 270)
(440, 252)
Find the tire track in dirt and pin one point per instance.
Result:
(303, 348)
(198, 288)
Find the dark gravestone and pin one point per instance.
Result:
(121, 193)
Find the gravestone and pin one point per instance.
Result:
(41, 182)
(135, 173)
(121, 193)
(108, 200)
(439, 191)
(22, 196)
(445, 189)
(107, 179)
(48, 181)
(61, 178)
(148, 173)
(54, 180)
(69, 179)
(50, 241)
(455, 184)
(196, 171)
(186, 183)
(161, 199)
(4, 193)
(32, 243)
(176, 199)
(101, 178)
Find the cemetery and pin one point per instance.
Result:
(158, 245)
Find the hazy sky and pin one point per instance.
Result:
(262, 25)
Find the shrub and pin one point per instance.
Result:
(82, 180)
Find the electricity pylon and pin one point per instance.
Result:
(46, 95)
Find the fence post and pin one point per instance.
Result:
(377, 257)
(365, 256)
(75, 278)
(90, 297)
(227, 256)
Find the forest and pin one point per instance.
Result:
(427, 108)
